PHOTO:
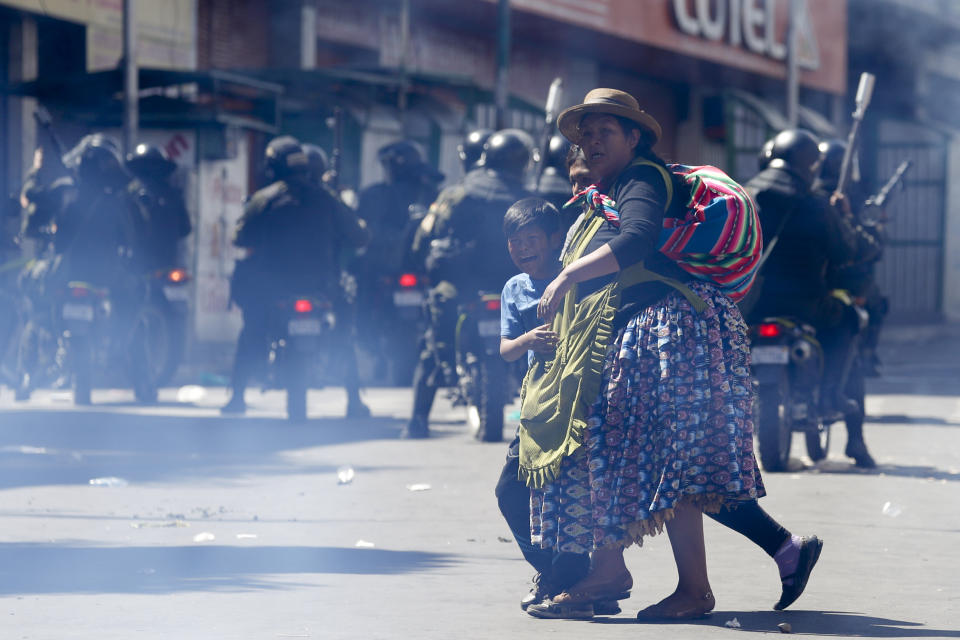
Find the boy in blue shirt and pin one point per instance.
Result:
(532, 228)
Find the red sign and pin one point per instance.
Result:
(745, 34)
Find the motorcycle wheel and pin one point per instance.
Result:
(164, 347)
(82, 371)
(773, 424)
(176, 347)
(295, 377)
(818, 442)
(144, 359)
(296, 402)
(491, 391)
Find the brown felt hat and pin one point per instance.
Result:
(610, 101)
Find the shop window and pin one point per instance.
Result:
(714, 120)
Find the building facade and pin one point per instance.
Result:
(713, 74)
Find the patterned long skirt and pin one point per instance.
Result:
(673, 424)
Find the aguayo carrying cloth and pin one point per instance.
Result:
(718, 240)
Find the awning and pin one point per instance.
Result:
(361, 88)
(167, 97)
(776, 121)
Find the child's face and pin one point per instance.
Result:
(533, 251)
(579, 175)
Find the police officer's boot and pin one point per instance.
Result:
(236, 405)
(356, 408)
(424, 390)
(857, 448)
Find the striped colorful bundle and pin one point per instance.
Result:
(719, 238)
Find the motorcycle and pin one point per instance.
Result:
(92, 336)
(402, 298)
(301, 332)
(165, 316)
(788, 373)
(483, 378)
(81, 312)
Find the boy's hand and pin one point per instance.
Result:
(542, 339)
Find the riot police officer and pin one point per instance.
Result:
(345, 345)
(386, 207)
(470, 148)
(392, 209)
(856, 277)
(811, 237)
(292, 231)
(554, 183)
(95, 231)
(860, 276)
(318, 163)
(99, 228)
(167, 220)
(466, 254)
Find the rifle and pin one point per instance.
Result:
(45, 123)
(864, 94)
(550, 121)
(879, 200)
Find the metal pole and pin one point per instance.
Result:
(404, 60)
(131, 89)
(502, 91)
(793, 69)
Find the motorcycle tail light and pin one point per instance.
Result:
(769, 330)
(408, 280)
(492, 305)
(177, 275)
(303, 306)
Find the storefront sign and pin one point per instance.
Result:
(743, 34)
(749, 24)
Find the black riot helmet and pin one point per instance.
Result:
(149, 160)
(286, 158)
(831, 155)
(557, 152)
(471, 148)
(96, 160)
(509, 151)
(401, 161)
(316, 160)
(796, 151)
(765, 155)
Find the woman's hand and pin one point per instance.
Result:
(553, 296)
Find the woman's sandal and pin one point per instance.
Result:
(659, 612)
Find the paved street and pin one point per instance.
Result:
(238, 528)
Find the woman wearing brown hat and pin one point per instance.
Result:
(670, 434)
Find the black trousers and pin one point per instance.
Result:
(436, 349)
(746, 518)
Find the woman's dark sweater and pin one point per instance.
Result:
(640, 194)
